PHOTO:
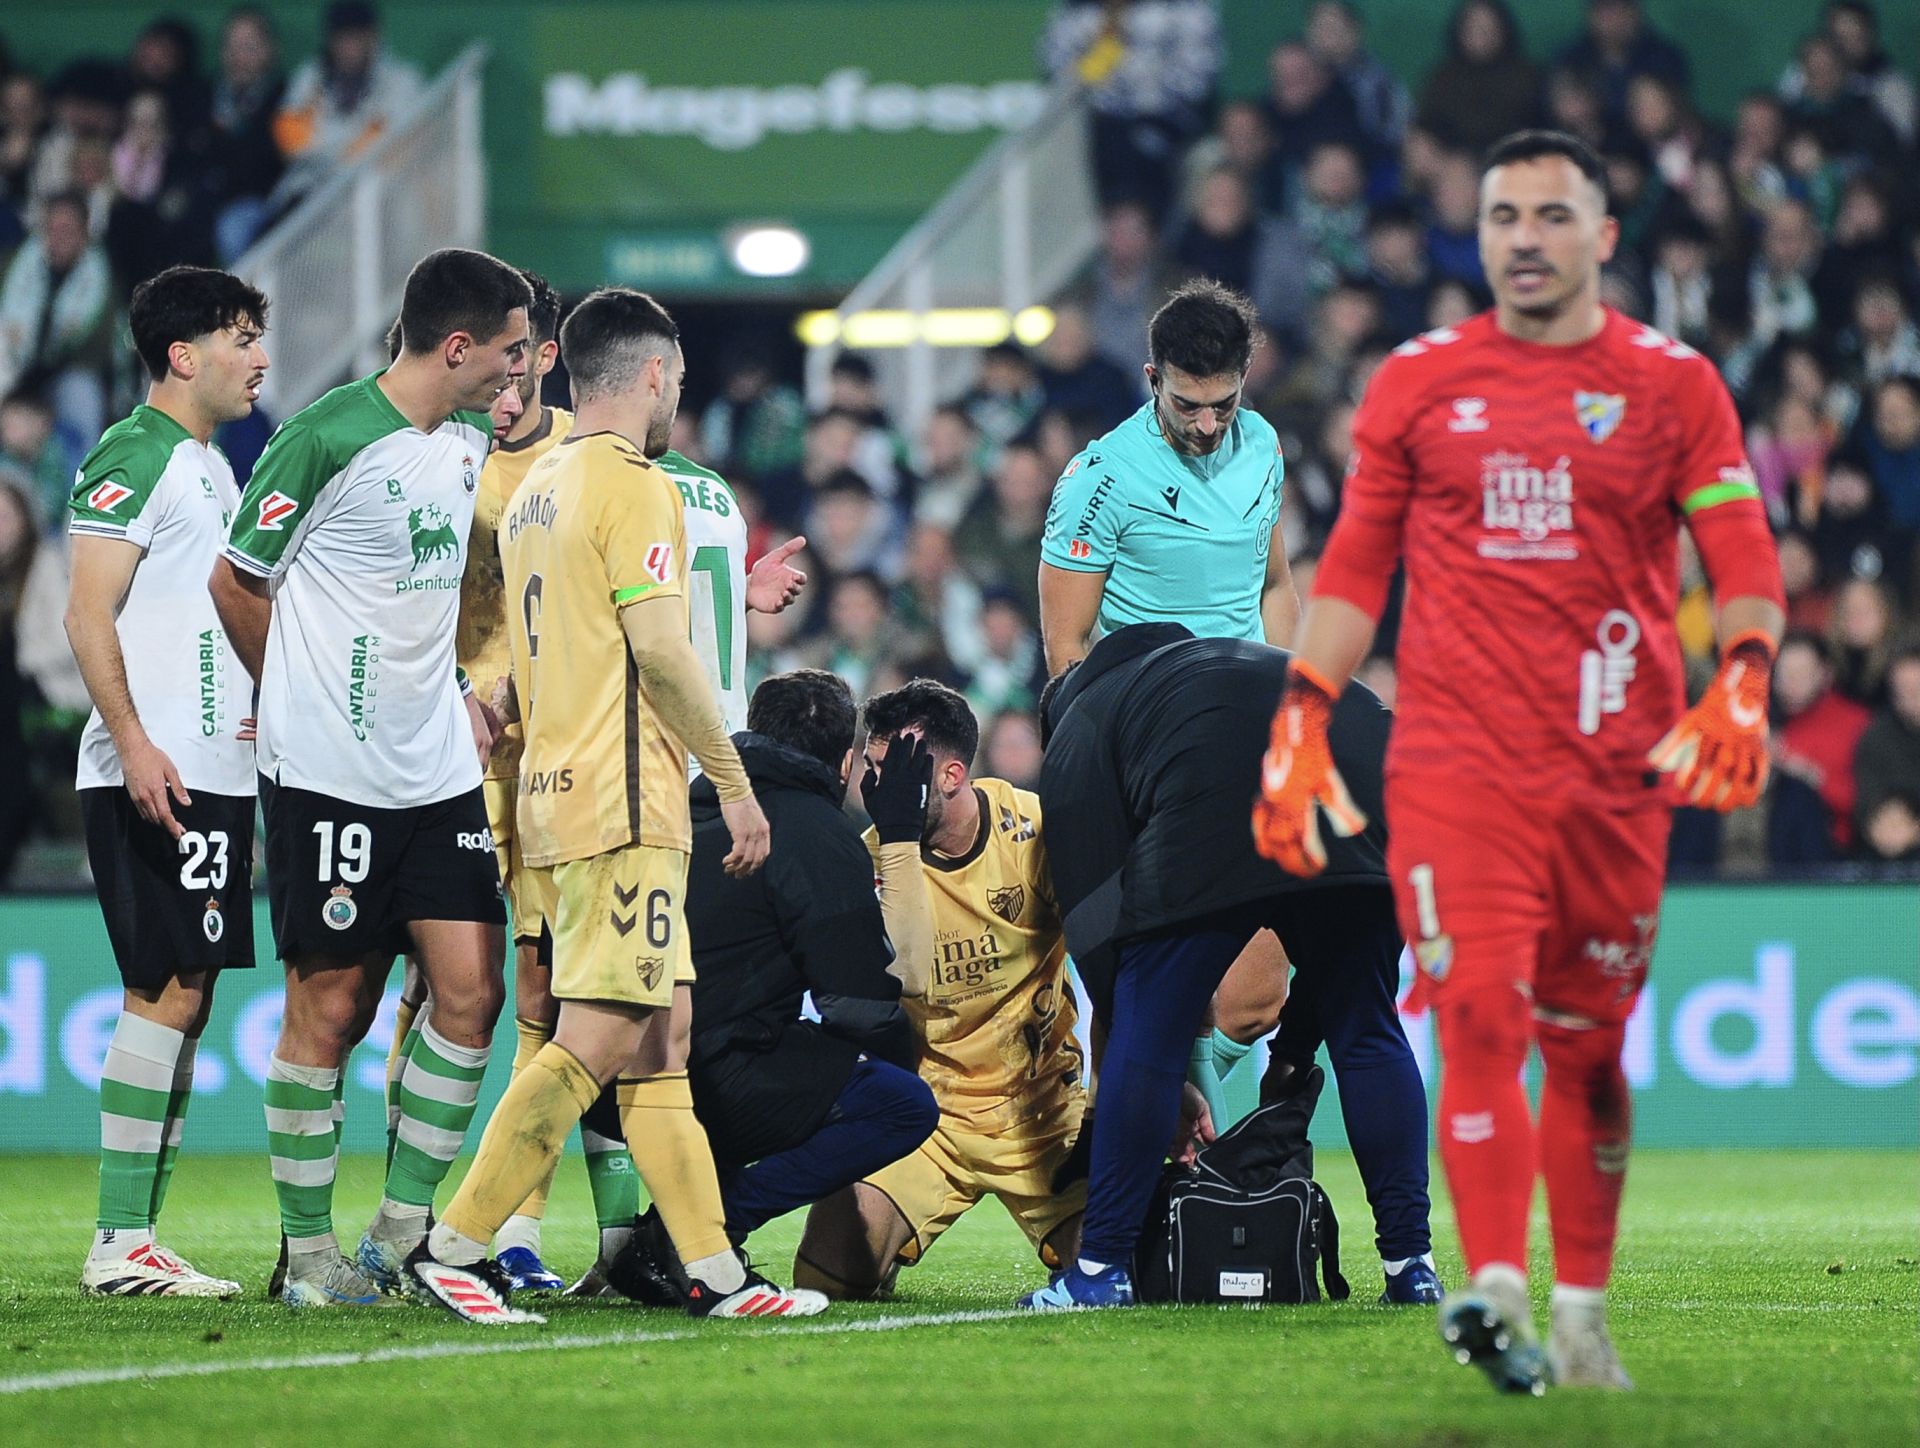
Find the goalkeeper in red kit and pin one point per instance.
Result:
(1533, 466)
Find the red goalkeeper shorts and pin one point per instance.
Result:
(1562, 900)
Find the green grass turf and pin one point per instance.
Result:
(1761, 1298)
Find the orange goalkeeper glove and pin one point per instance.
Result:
(1298, 780)
(1717, 753)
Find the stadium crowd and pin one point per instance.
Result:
(1781, 241)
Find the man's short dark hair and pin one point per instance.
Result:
(942, 715)
(852, 364)
(844, 480)
(543, 317)
(610, 335)
(1802, 638)
(457, 290)
(809, 710)
(1204, 329)
(183, 303)
(1533, 145)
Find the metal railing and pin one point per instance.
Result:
(335, 266)
(1013, 231)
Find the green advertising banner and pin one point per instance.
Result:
(1777, 1016)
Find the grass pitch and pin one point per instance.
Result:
(1762, 1298)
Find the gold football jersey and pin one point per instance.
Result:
(480, 643)
(594, 527)
(996, 1024)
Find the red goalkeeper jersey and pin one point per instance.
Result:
(1536, 494)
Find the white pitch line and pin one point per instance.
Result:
(154, 1372)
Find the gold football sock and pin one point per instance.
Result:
(403, 1015)
(532, 1036)
(522, 1141)
(671, 1154)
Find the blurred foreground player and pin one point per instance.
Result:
(1152, 742)
(1534, 466)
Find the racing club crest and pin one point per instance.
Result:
(340, 912)
(1600, 413)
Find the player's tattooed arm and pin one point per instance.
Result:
(103, 570)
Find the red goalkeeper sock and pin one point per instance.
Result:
(1486, 1132)
(1586, 1122)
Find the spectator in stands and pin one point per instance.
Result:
(935, 600)
(860, 640)
(1680, 289)
(140, 155)
(1887, 763)
(1860, 640)
(1337, 38)
(1573, 106)
(1808, 604)
(86, 98)
(243, 163)
(166, 58)
(999, 539)
(1397, 267)
(1883, 341)
(57, 318)
(1077, 379)
(1892, 831)
(19, 540)
(1637, 194)
(1240, 143)
(1010, 748)
(1451, 303)
(1005, 398)
(1617, 46)
(854, 388)
(949, 467)
(757, 426)
(1789, 454)
(1346, 321)
(1486, 86)
(23, 124)
(1854, 28)
(1150, 71)
(827, 449)
(1221, 234)
(1453, 233)
(1306, 109)
(1852, 537)
(1712, 201)
(1059, 434)
(1845, 120)
(1778, 285)
(1816, 732)
(1128, 283)
(1005, 666)
(848, 529)
(1330, 211)
(1311, 500)
(31, 447)
(1663, 120)
(1891, 443)
(1754, 162)
(342, 101)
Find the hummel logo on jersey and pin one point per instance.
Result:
(1469, 415)
(107, 497)
(659, 564)
(275, 509)
(1172, 495)
(1600, 413)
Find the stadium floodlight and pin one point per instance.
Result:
(768, 249)
(936, 327)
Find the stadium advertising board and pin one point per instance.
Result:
(1777, 1016)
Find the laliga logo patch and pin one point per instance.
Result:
(659, 563)
(340, 912)
(275, 509)
(212, 924)
(107, 497)
(1435, 955)
(469, 479)
(1600, 413)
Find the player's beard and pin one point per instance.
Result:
(659, 436)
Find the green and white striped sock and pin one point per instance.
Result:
(396, 1068)
(303, 1140)
(136, 1086)
(439, 1089)
(610, 1173)
(176, 1122)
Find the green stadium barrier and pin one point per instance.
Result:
(1783, 1015)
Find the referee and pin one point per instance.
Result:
(1172, 516)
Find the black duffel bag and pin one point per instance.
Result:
(1246, 1223)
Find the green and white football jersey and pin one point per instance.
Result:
(149, 481)
(360, 520)
(716, 584)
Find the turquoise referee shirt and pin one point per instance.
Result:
(1181, 539)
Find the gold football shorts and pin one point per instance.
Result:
(619, 925)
